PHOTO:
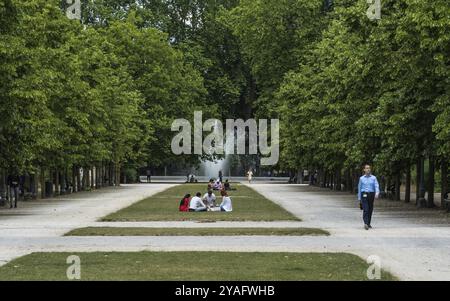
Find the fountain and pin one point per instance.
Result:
(210, 169)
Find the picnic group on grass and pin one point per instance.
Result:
(207, 202)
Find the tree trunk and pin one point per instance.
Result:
(93, 177)
(382, 187)
(42, 176)
(330, 179)
(349, 181)
(86, 178)
(418, 173)
(82, 178)
(63, 181)
(408, 185)
(74, 179)
(117, 167)
(8, 191)
(2, 183)
(79, 179)
(97, 176)
(101, 175)
(355, 182)
(111, 174)
(431, 182)
(300, 176)
(398, 184)
(388, 186)
(338, 180)
(444, 181)
(33, 185)
(57, 187)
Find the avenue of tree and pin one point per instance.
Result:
(101, 94)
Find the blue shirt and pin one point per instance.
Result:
(368, 184)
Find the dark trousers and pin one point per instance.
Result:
(14, 194)
(367, 203)
(198, 210)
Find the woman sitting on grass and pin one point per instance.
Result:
(184, 204)
(226, 205)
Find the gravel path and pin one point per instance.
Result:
(52, 218)
(412, 244)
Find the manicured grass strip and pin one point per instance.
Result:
(215, 266)
(109, 231)
(248, 205)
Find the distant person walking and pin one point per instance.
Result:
(221, 176)
(368, 191)
(13, 183)
(250, 176)
(149, 175)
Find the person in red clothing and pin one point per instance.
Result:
(184, 204)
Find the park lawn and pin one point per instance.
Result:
(110, 231)
(248, 205)
(173, 266)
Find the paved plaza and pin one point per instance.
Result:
(411, 244)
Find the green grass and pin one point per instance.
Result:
(214, 266)
(248, 205)
(110, 231)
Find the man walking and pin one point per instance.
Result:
(221, 176)
(368, 191)
(13, 183)
(149, 175)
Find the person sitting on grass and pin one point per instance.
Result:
(227, 186)
(196, 204)
(210, 184)
(218, 185)
(226, 205)
(209, 199)
(184, 204)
